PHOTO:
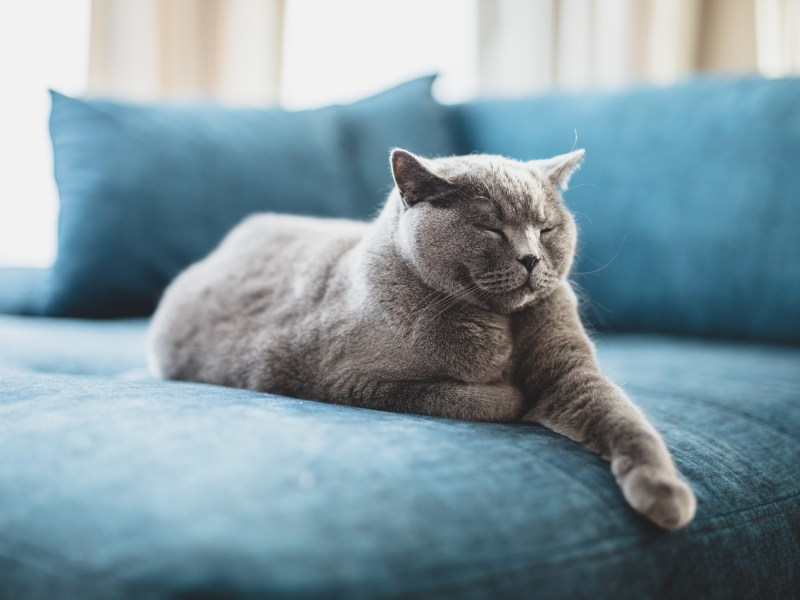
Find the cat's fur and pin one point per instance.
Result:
(429, 309)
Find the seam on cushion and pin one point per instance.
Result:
(632, 544)
(49, 383)
(720, 407)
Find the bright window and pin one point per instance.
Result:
(43, 44)
(344, 50)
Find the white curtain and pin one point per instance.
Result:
(529, 45)
(232, 50)
(228, 50)
(778, 23)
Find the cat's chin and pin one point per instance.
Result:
(518, 297)
(511, 302)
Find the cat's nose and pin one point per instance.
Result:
(529, 261)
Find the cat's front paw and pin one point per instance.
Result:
(659, 495)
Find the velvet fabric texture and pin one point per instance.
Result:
(687, 204)
(147, 189)
(116, 485)
(113, 485)
(21, 290)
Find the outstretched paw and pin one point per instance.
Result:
(659, 495)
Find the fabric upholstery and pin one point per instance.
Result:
(687, 204)
(89, 347)
(20, 290)
(147, 189)
(116, 485)
(138, 488)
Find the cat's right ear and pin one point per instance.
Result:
(416, 181)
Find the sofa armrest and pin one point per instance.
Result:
(20, 290)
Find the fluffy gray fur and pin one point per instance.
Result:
(453, 302)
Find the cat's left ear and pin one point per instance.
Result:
(416, 179)
(559, 169)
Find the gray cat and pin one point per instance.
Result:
(452, 303)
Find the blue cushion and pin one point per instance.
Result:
(147, 189)
(112, 487)
(20, 290)
(687, 204)
(91, 347)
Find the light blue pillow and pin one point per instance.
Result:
(688, 202)
(147, 189)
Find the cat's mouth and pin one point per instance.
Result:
(506, 294)
(502, 281)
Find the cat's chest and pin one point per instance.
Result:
(473, 346)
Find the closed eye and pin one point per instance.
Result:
(491, 231)
(546, 230)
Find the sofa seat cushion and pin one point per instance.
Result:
(76, 346)
(141, 488)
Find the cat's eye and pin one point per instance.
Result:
(546, 230)
(493, 232)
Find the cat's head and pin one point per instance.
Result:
(487, 229)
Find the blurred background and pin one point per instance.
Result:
(307, 53)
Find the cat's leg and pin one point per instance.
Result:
(557, 370)
(452, 400)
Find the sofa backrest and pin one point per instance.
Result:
(688, 204)
(148, 189)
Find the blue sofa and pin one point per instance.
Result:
(116, 485)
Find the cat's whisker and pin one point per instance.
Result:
(411, 312)
(459, 295)
(454, 299)
(427, 309)
(433, 293)
(613, 258)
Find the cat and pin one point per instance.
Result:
(454, 302)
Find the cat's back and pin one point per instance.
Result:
(274, 253)
(269, 235)
(265, 276)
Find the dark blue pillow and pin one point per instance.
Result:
(688, 202)
(147, 189)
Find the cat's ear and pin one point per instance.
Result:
(559, 169)
(415, 179)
